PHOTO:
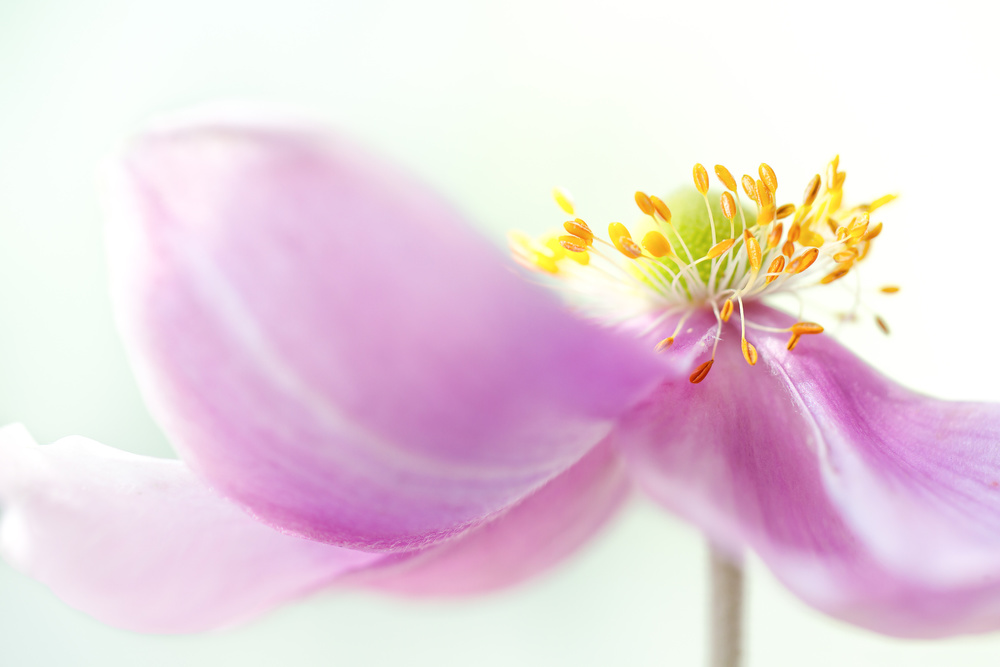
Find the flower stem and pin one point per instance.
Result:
(726, 610)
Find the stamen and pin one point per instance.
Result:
(806, 328)
(645, 205)
(656, 244)
(767, 175)
(749, 352)
(700, 178)
(753, 250)
(728, 206)
(664, 344)
(573, 243)
(726, 178)
(811, 191)
(882, 325)
(784, 211)
(719, 248)
(889, 289)
(803, 261)
(701, 372)
(661, 209)
(620, 236)
(727, 310)
(774, 269)
(579, 229)
(749, 187)
(834, 275)
(872, 232)
(563, 200)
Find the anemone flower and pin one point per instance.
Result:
(364, 392)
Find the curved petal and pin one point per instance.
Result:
(327, 343)
(532, 536)
(141, 544)
(873, 503)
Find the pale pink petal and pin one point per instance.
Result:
(141, 544)
(873, 503)
(532, 536)
(328, 344)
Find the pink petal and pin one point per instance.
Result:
(141, 544)
(329, 345)
(532, 536)
(873, 503)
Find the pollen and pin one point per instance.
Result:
(718, 247)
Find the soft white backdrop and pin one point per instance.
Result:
(494, 103)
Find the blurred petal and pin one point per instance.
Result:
(534, 535)
(871, 502)
(141, 544)
(328, 344)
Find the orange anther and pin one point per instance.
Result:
(664, 344)
(645, 205)
(832, 224)
(872, 232)
(726, 178)
(787, 248)
(836, 274)
(700, 178)
(719, 248)
(749, 352)
(793, 232)
(764, 195)
(660, 208)
(753, 249)
(811, 191)
(767, 175)
(623, 240)
(803, 261)
(793, 341)
(889, 289)
(573, 243)
(784, 211)
(728, 205)
(749, 187)
(882, 325)
(774, 238)
(579, 229)
(701, 372)
(774, 269)
(727, 310)
(848, 255)
(805, 328)
(656, 244)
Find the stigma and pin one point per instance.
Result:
(706, 250)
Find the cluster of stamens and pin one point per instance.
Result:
(676, 268)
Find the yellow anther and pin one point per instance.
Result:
(811, 191)
(836, 274)
(719, 248)
(726, 178)
(645, 205)
(774, 269)
(764, 195)
(700, 178)
(728, 205)
(563, 200)
(774, 238)
(806, 328)
(767, 175)
(766, 215)
(661, 209)
(880, 202)
(882, 325)
(784, 211)
(872, 232)
(620, 236)
(793, 232)
(701, 372)
(749, 352)
(727, 310)
(787, 249)
(793, 341)
(848, 255)
(573, 243)
(803, 261)
(656, 244)
(889, 289)
(811, 239)
(753, 249)
(579, 229)
(832, 225)
(664, 344)
(749, 186)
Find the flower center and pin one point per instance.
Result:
(698, 249)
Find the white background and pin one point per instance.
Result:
(495, 103)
